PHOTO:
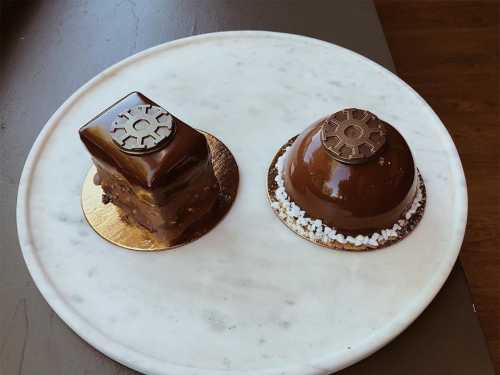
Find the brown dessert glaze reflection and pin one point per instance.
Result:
(170, 190)
(357, 198)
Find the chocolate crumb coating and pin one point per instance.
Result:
(359, 198)
(169, 186)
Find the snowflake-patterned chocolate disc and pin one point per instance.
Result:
(142, 129)
(353, 136)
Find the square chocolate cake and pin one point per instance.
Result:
(153, 166)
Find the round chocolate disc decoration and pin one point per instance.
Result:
(352, 136)
(142, 128)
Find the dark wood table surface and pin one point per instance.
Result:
(49, 49)
(449, 51)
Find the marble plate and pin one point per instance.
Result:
(250, 296)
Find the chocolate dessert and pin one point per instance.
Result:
(348, 181)
(154, 167)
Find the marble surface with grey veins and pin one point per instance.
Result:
(250, 295)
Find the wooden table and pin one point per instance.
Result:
(449, 52)
(49, 49)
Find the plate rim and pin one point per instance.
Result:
(145, 363)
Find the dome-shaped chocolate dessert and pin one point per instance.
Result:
(349, 179)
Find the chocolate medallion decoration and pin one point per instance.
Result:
(142, 128)
(353, 136)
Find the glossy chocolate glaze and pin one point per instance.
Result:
(166, 191)
(187, 149)
(354, 199)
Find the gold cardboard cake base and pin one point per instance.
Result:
(402, 233)
(106, 219)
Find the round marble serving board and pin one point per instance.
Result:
(250, 296)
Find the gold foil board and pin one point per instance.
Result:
(106, 219)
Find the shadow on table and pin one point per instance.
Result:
(15, 15)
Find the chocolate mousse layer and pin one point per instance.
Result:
(353, 171)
